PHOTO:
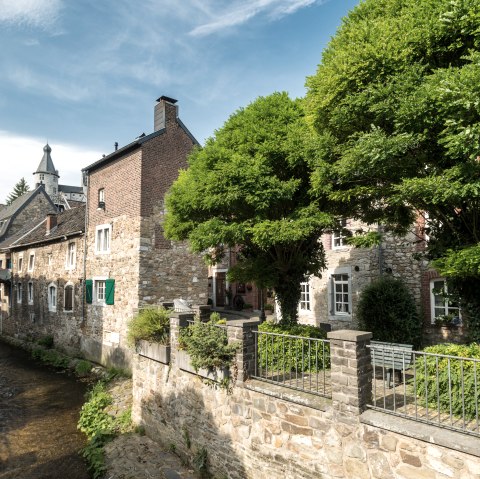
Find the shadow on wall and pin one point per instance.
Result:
(182, 423)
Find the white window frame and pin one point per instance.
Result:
(20, 263)
(447, 309)
(71, 258)
(30, 292)
(67, 285)
(332, 303)
(52, 306)
(100, 247)
(19, 292)
(101, 195)
(338, 236)
(31, 261)
(305, 303)
(97, 283)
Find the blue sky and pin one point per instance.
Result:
(83, 74)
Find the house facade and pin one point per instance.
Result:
(47, 281)
(130, 264)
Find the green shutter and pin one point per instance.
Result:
(109, 291)
(88, 290)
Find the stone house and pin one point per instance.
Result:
(16, 219)
(331, 300)
(47, 281)
(130, 264)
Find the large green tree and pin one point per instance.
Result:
(19, 189)
(249, 188)
(396, 101)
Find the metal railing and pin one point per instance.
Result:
(294, 362)
(432, 388)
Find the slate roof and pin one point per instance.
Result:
(69, 223)
(46, 164)
(9, 212)
(70, 189)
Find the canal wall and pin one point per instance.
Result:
(258, 430)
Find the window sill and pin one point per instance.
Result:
(346, 317)
(52, 310)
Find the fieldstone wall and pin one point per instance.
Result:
(263, 431)
(31, 318)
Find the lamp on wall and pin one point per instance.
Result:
(101, 205)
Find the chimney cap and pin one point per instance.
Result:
(168, 99)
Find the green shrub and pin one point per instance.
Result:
(449, 388)
(94, 454)
(83, 367)
(93, 418)
(46, 341)
(150, 324)
(268, 307)
(387, 309)
(50, 357)
(207, 345)
(277, 353)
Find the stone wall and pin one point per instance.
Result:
(263, 431)
(32, 318)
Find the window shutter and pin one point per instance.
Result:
(109, 291)
(89, 290)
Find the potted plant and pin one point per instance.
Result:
(149, 333)
(447, 320)
(204, 349)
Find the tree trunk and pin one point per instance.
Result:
(288, 296)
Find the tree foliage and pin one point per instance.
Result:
(249, 187)
(19, 189)
(396, 99)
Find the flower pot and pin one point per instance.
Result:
(156, 351)
(215, 374)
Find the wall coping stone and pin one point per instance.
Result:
(280, 392)
(430, 433)
(349, 335)
(240, 323)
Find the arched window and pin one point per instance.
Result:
(52, 297)
(68, 297)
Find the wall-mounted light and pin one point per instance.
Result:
(101, 205)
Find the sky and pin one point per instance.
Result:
(84, 74)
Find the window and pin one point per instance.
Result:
(1, 263)
(102, 239)
(71, 252)
(41, 176)
(30, 292)
(338, 236)
(100, 291)
(101, 195)
(305, 296)
(20, 263)
(9, 263)
(52, 297)
(50, 259)
(68, 297)
(19, 292)
(340, 294)
(31, 261)
(441, 303)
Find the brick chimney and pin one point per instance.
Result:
(51, 222)
(165, 112)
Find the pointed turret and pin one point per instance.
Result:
(46, 173)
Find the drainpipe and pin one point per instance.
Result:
(86, 179)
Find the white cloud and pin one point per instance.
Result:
(37, 13)
(240, 12)
(23, 155)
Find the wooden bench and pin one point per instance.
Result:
(391, 356)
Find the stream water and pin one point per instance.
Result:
(39, 410)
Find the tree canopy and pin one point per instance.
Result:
(249, 189)
(19, 189)
(395, 101)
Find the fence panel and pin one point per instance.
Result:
(433, 388)
(295, 362)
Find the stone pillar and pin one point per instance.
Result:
(177, 321)
(242, 332)
(351, 373)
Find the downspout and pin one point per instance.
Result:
(85, 180)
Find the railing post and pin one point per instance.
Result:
(351, 373)
(242, 332)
